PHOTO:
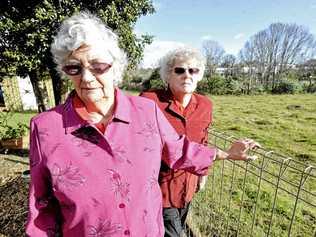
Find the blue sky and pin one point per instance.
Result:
(230, 23)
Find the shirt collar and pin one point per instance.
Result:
(72, 121)
(169, 96)
(177, 107)
(122, 108)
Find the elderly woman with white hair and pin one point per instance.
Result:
(190, 114)
(95, 159)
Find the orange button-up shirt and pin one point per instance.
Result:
(178, 186)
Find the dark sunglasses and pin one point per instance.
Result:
(181, 70)
(94, 68)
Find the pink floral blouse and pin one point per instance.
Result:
(85, 183)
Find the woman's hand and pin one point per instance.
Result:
(239, 149)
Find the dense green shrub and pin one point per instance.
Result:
(218, 85)
(285, 86)
(212, 85)
(153, 82)
(308, 87)
(9, 131)
(232, 86)
(257, 90)
(131, 82)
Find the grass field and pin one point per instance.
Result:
(244, 200)
(283, 123)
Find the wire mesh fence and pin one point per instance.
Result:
(271, 196)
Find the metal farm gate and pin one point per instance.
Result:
(271, 196)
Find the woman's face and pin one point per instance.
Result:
(184, 77)
(90, 70)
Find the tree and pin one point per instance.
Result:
(307, 72)
(247, 60)
(214, 53)
(228, 62)
(274, 50)
(27, 27)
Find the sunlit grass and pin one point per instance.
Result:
(283, 123)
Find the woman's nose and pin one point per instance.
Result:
(187, 73)
(87, 76)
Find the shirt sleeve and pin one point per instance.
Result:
(179, 152)
(43, 214)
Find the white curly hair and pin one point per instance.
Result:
(85, 28)
(180, 54)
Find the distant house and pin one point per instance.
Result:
(220, 71)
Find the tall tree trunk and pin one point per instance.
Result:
(57, 84)
(273, 81)
(249, 84)
(37, 91)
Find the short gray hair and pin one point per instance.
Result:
(85, 28)
(183, 53)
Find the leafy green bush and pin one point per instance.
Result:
(257, 90)
(285, 86)
(8, 131)
(11, 132)
(233, 86)
(309, 88)
(153, 82)
(131, 82)
(210, 85)
(217, 85)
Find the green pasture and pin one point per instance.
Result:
(237, 202)
(283, 123)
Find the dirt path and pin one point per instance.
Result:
(12, 166)
(13, 195)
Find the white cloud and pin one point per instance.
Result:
(157, 5)
(206, 37)
(239, 36)
(156, 50)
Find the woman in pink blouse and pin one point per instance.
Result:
(95, 159)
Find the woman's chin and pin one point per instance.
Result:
(187, 91)
(93, 99)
